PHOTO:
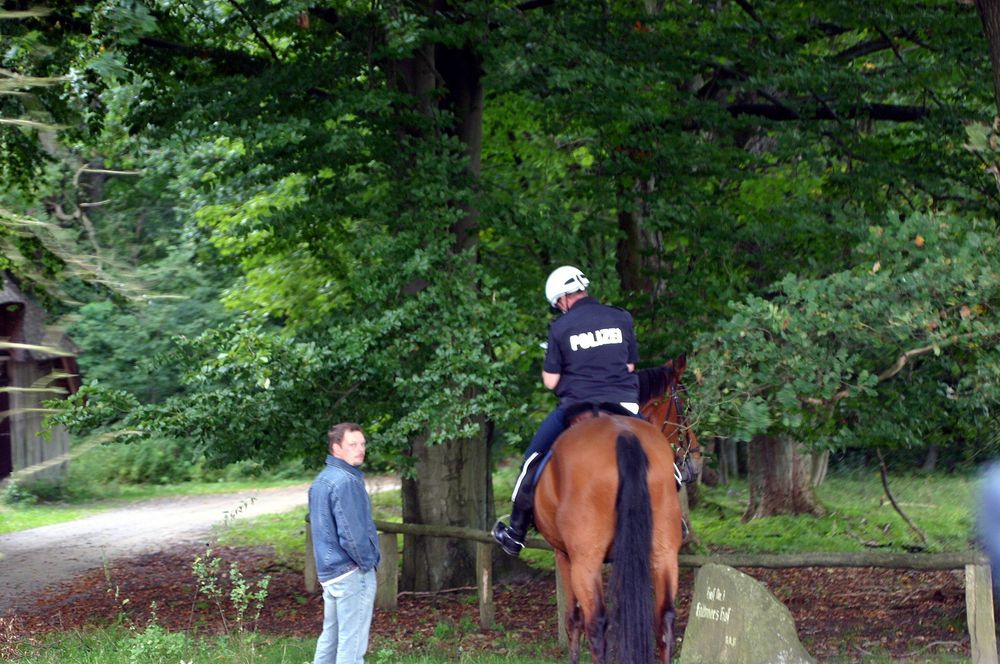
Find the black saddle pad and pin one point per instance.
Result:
(573, 411)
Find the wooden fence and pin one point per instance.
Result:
(978, 579)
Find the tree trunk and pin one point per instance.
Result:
(638, 252)
(989, 13)
(451, 486)
(729, 467)
(930, 461)
(779, 477)
(693, 495)
(693, 543)
(819, 464)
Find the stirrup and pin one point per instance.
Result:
(504, 536)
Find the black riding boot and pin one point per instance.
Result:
(511, 538)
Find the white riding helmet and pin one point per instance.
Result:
(563, 281)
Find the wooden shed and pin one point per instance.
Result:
(37, 363)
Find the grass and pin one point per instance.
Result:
(880, 656)
(111, 645)
(857, 517)
(117, 644)
(25, 517)
(286, 531)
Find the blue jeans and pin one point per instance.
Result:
(347, 617)
(550, 428)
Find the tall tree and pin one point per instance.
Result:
(391, 182)
(335, 157)
(451, 482)
(989, 13)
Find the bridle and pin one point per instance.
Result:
(684, 469)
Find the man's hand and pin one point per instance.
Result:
(550, 380)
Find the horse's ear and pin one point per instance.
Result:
(680, 363)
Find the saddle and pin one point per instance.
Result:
(580, 412)
(685, 473)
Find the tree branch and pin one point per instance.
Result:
(899, 58)
(533, 4)
(253, 26)
(897, 366)
(781, 113)
(750, 11)
(892, 499)
(862, 49)
(229, 62)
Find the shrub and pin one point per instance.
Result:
(14, 493)
(148, 461)
(155, 645)
(29, 492)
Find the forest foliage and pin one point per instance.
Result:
(798, 195)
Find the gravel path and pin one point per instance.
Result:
(32, 559)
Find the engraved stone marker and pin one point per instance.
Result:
(734, 618)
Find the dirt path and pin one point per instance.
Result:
(32, 559)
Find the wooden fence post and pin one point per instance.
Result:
(979, 610)
(561, 610)
(309, 570)
(387, 576)
(484, 574)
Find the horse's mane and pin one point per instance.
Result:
(653, 382)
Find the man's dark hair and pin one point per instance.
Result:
(338, 431)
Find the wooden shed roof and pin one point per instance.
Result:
(34, 331)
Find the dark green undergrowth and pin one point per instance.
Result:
(147, 468)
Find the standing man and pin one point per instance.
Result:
(345, 544)
(590, 358)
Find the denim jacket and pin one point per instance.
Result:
(340, 516)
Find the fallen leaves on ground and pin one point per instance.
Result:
(840, 612)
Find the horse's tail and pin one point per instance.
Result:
(631, 582)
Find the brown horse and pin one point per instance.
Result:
(609, 493)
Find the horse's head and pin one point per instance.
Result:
(663, 401)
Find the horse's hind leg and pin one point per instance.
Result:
(597, 633)
(667, 632)
(586, 581)
(574, 618)
(665, 590)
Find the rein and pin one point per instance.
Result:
(675, 404)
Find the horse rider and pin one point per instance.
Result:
(590, 358)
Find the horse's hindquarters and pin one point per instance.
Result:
(575, 510)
